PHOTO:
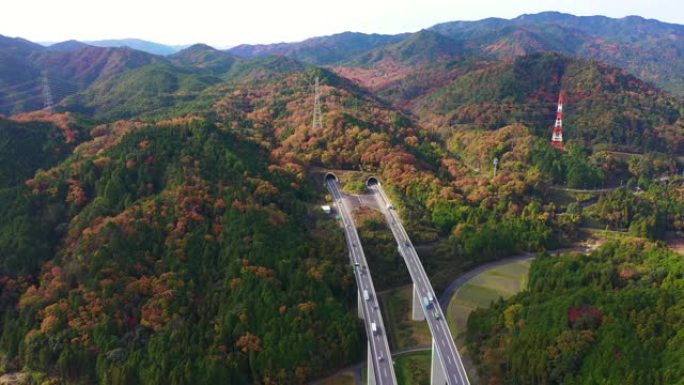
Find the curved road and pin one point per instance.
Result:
(378, 347)
(443, 341)
(446, 297)
(450, 291)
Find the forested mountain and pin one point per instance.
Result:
(162, 225)
(190, 83)
(87, 65)
(419, 48)
(649, 49)
(161, 234)
(27, 70)
(144, 90)
(605, 105)
(613, 315)
(204, 56)
(137, 44)
(33, 141)
(166, 233)
(69, 45)
(27, 144)
(320, 50)
(19, 83)
(18, 44)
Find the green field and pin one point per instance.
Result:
(402, 332)
(501, 281)
(413, 368)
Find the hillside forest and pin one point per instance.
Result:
(161, 223)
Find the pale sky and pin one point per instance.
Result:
(225, 23)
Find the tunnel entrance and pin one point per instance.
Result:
(372, 181)
(329, 177)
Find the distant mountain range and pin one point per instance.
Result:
(141, 45)
(649, 49)
(144, 212)
(321, 50)
(400, 68)
(68, 68)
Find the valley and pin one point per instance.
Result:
(161, 220)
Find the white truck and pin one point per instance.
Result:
(374, 327)
(366, 296)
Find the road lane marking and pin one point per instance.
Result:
(415, 268)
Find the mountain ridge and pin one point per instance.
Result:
(349, 42)
(164, 226)
(139, 44)
(634, 43)
(204, 56)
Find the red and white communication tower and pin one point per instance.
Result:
(557, 136)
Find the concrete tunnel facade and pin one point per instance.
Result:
(372, 181)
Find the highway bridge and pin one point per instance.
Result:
(447, 367)
(380, 364)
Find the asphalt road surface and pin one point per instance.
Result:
(443, 341)
(379, 347)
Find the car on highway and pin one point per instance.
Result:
(374, 327)
(366, 296)
(427, 303)
(435, 313)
